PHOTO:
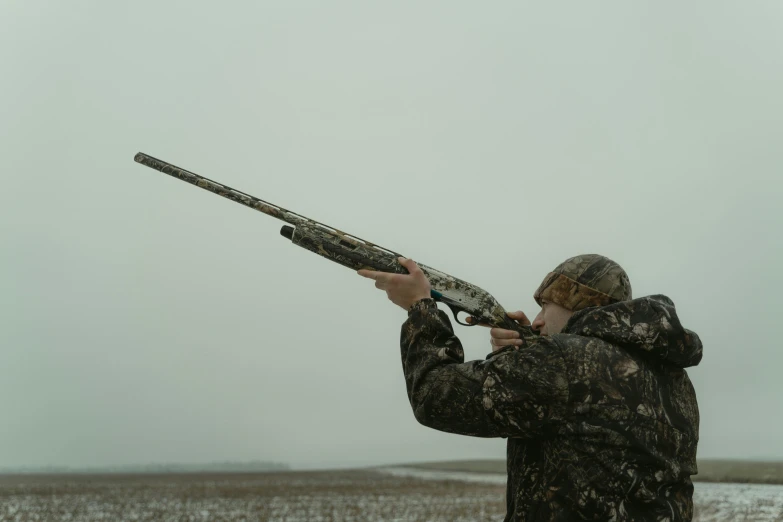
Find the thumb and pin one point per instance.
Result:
(409, 264)
(520, 316)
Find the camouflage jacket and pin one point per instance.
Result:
(601, 419)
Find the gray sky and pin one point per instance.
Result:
(144, 320)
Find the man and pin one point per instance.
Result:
(600, 416)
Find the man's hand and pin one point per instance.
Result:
(402, 289)
(500, 337)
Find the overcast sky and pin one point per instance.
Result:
(144, 320)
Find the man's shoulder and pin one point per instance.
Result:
(583, 349)
(536, 353)
(570, 341)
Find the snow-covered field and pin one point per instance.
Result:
(389, 494)
(740, 502)
(713, 502)
(331, 496)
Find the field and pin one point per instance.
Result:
(348, 496)
(393, 494)
(743, 471)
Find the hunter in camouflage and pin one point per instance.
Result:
(600, 416)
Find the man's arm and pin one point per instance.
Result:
(518, 392)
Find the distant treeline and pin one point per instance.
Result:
(216, 467)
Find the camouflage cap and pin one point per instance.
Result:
(584, 281)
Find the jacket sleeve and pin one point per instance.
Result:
(517, 393)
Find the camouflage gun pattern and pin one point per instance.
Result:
(356, 253)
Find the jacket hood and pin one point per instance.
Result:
(649, 325)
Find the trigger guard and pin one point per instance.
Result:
(455, 312)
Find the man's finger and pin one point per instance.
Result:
(496, 348)
(500, 333)
(519, 316)
(409, 264)
(470, 320)
(504, 342)
(497, 344)
(383, 277)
